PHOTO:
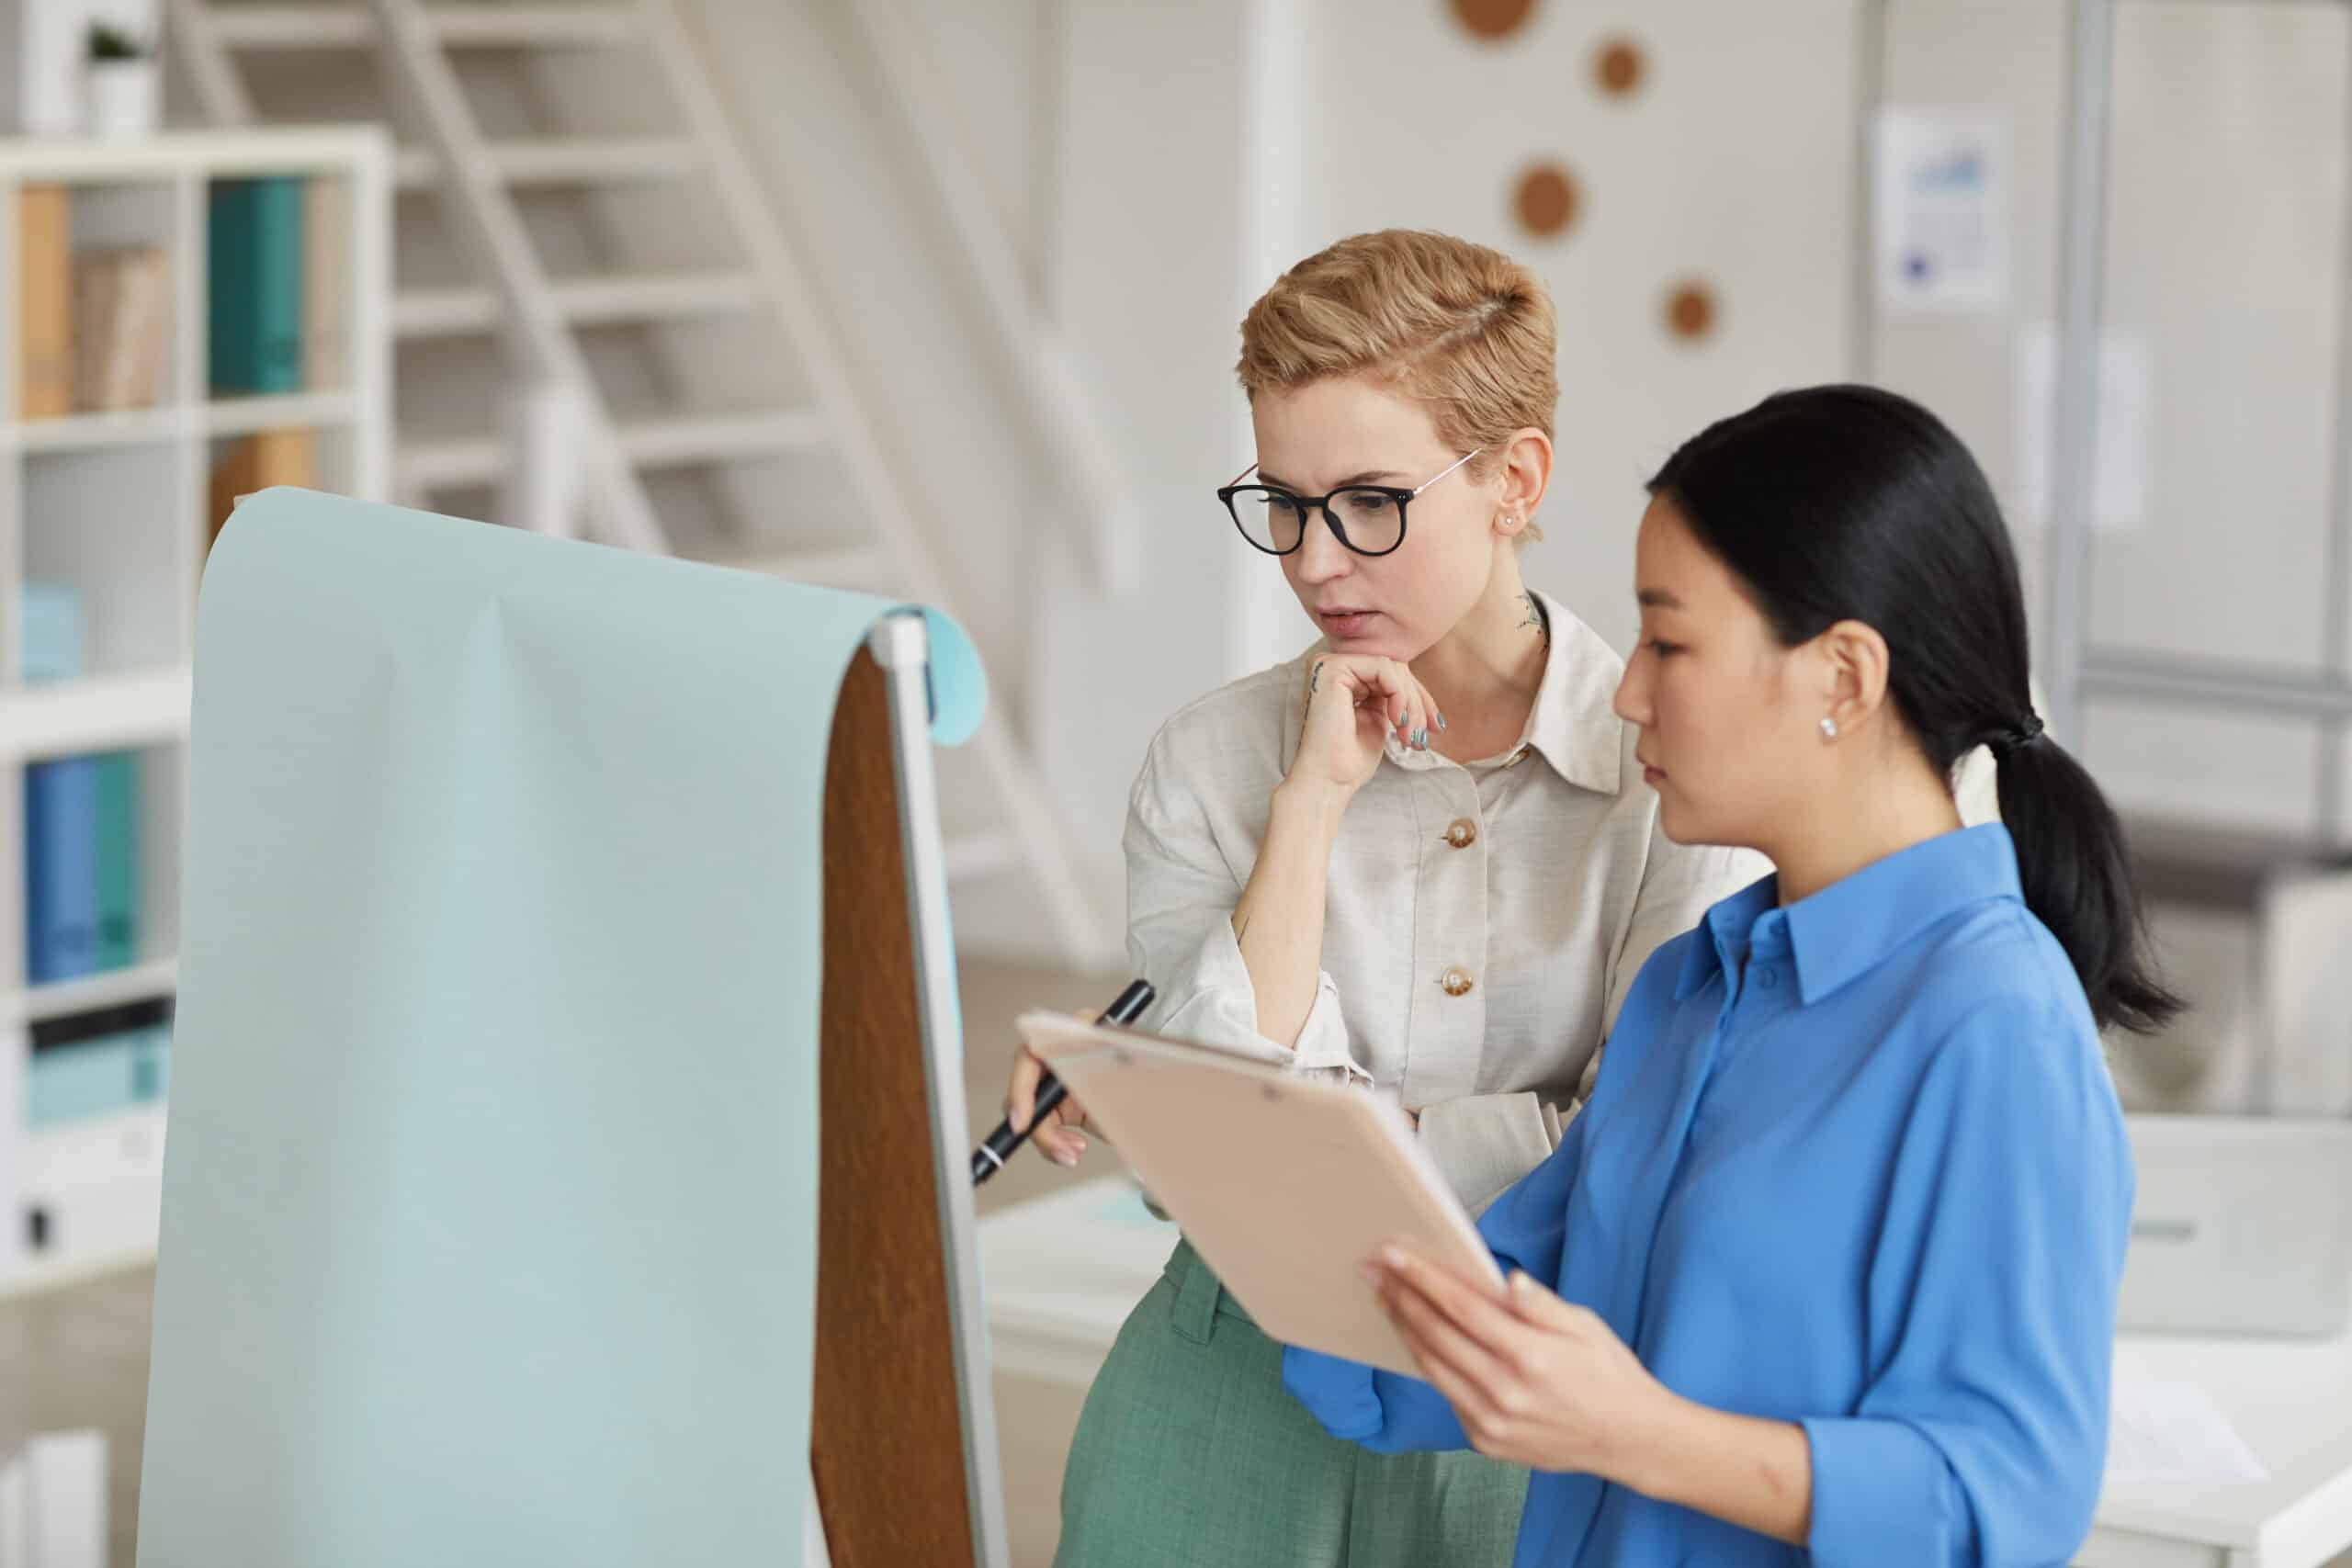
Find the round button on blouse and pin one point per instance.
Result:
(1462, 833)
(1456, 981)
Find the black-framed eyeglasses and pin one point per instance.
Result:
(1367, 519)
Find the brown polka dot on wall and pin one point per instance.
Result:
(1547, 201)
(1492, 18)
(1692, 311)
(1620, 67)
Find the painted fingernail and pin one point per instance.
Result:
(1440, 721)
(1422, 739)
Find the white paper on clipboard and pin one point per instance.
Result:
(1285, 1186)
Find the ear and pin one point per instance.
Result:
(1853, 669)
(1525, 473)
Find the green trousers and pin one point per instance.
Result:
(1190, 1454)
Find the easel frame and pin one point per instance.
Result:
(902, 1364)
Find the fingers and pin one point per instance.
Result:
(1021, 1096)
(1393, 691)
(1468, 1370)
(1540, 1307)
(1470, 1310)
(1058, 1136)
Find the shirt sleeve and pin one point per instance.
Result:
(1982, 1436)
(1181, 896)
(1392, 1414)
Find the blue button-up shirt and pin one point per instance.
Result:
(1854, 1164)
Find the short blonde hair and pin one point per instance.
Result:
(1466, 331)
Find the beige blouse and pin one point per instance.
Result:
(1483, 920)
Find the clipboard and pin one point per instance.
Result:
(1285, 1187)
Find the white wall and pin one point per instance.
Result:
(1158, 165)
(1143, 260)
(2225, 248)
(1734, 165)
(1154, 210)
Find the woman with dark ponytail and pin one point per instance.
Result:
(1827, 1264)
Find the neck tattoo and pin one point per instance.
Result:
(1535, 618)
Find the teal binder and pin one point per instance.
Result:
(118, 860)
(255, 250)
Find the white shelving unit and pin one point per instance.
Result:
(116, 504)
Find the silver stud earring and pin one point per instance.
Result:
(1828, 727)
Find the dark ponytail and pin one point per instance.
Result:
(1839, 503)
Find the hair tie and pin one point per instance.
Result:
(2018, 736)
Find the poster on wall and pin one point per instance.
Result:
(2123, 451)
(1942, 211)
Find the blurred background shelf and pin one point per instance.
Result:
(95, 713)
(127, 427)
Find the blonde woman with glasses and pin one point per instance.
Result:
(1419, 857)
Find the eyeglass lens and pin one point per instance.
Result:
(1370, 521)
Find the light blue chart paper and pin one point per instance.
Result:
(489, 1228)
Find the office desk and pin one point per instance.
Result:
(1061, 1273)
(2291, 1400)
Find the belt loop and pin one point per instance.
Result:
(1194, 1316)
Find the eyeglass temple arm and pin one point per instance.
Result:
(1239, 477)
(1448, 469)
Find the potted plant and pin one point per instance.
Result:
(124, 82)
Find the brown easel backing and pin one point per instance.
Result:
(888, 1434)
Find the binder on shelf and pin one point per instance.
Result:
(258, 462)
(122, 317)
(326, 263)
(45, 302)
(95, 1064)
(61, 869)
(97, 292)
(255, 243)
(116, 860)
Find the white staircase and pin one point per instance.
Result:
(600, 327)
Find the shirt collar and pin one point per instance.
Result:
(1848, 928)
(1573, 724)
